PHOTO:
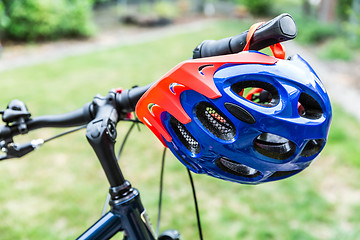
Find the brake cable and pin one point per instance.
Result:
(160, 192)
(195, 204)
(14, 150)
(194, 197)
(64, 133)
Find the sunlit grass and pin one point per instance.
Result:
(344, 138)
(58, 191)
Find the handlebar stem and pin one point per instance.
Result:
(101, 134)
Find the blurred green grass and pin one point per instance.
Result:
(58, 191)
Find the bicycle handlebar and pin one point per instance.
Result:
(75, 118)
(279, 29)
(128, 99)
(125, 103)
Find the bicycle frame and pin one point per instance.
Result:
(126, 214)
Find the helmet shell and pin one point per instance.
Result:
(233, 138)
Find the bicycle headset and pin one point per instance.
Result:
(246, 117)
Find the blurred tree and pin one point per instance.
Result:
(327, 11)
(199, 5)
(4, 19)
(343, 9)
(183, 6)
(354, 21)
(306, 7)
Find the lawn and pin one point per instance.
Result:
(58, 191)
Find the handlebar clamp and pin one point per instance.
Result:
(16, 114)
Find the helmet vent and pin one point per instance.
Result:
(274, 146)
(185, 136)
(173, 86)
(312, 147)
(284, 174)
(215, 121)
(258, 92)
(235, 168)
(204, 66)
(150, 106)
(308, 107)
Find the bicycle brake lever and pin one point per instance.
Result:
(13, 150)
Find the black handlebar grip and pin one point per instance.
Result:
(72, 119)
(127, 100)
(279, 29)
(75, 118)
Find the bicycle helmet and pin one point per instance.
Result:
(247, 117)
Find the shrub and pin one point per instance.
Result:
(102, 2)
(77, 18)
(336, 49)
(49, 19)
(4, 19)
(258, 7)
(313, 31)
(166, 10)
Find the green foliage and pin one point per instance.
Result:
(343, 9)
(166, 9)
(101, 1)
(258, 7)
(344, 138)
(4, 19)
(47, 19)
(163, 9)
(336, 49)
(352, 27)
(77, 18)
(311, 30)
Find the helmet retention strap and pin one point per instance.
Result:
(277, 49)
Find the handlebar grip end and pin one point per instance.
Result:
(278, 29)
(287, 25)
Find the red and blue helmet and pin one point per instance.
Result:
(247, 117)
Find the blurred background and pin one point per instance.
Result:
(56, 55)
